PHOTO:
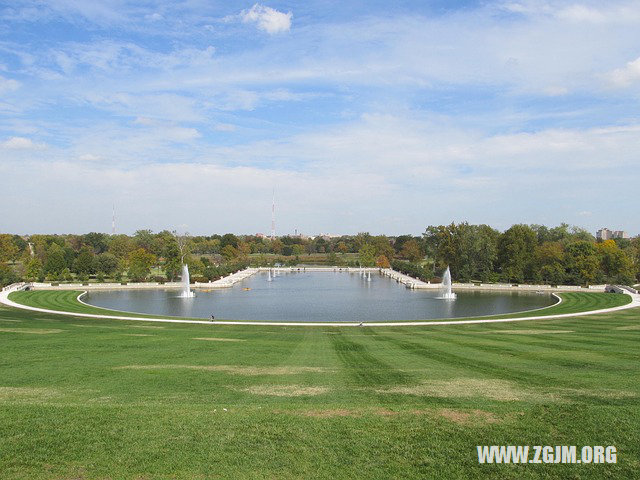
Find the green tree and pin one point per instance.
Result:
(516, 253)
(411, 250)
(121, 246)
(56, 261)
(8, 249)
(97, 241)
(615, 264)
(582, 263)
(140, 263)
(34, 270)
(107, 263)
(85, 262)
(367, 255)
(229, 252)
(7, 275)
(549, 263)
(229, 239)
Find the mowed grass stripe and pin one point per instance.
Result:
(79, 417)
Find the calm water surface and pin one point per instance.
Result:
(316, 297)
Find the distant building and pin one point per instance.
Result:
(606, 234)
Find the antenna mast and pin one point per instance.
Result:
(113, 221)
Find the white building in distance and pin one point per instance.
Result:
(606, 234)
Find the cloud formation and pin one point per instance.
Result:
(20, 143)
(267, 19)
(627, 75)
(384, 120)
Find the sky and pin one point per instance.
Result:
(361, 115)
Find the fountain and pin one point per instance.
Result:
(269, 279)
(186, 291)
(447, 294)
(368, 276)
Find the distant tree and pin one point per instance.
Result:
(121, 246)
(229, 239)
(9, 251)
(549, 263)
(66, 275)
(229, 252)
(143, 239)
(56, 261)
(7, 275)
(34, 270)
(635, 255)
(172, 260)
(516, 253)
(367, 255)
(276, 246)
(85, 262)
(97, 241)
(382, 262)
(399, 242)
(615, 264)
(582, 263)
(140, 263)
(244, 249)
(411, 251)
(341, 247)
(107, 263)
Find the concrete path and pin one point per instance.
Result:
(635, 302)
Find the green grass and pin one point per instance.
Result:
(67, 301)
(360, 402)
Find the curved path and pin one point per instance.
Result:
(635, 302)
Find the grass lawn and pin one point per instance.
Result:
(96, 399)
(67, 301)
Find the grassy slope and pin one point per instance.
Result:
(68, 411)
(66, 300)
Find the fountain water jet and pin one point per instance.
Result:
(186, 291)
(447, 294)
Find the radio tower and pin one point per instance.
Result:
(273, 215)
(113, 221)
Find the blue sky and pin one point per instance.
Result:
(363, 115)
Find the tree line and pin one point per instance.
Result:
(520, 254)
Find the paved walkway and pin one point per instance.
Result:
(635, 302)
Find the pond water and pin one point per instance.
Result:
(317, 297)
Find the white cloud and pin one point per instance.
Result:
(20, 143)
(267, 19)
(625, 76)
(225, 127)
(8, 85)
(89, 157)
(555, 91)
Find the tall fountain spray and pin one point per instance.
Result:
(269, 279)
(447, 294)
(186, 291)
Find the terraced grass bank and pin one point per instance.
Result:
(67, 301)
(95, 399)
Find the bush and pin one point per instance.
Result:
(7, 275)
(411, 269)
